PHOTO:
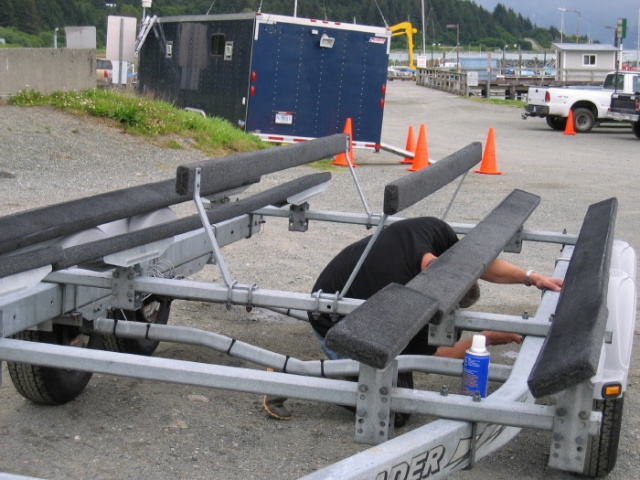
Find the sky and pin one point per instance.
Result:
(594, 16)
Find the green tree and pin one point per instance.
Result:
(7, 13)
(27, 16)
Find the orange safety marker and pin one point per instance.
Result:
(341, 159)
(421, 158)
(569, 129)
(488, 165)
(411, 146)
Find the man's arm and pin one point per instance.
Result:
(493, 338)
(504, 272)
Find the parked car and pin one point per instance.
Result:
(104, 71)
(400, 72)
(523, 72)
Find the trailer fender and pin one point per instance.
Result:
(621, 303)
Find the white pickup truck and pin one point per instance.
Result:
(589, 104)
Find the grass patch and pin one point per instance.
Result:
(325, 165)
(500, 101)
(158, 120)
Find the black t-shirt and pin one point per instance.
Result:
(394, 258)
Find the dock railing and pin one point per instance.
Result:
(446, 80)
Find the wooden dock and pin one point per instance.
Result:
(468, 84)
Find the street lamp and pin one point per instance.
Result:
(562, 23)
(563, 10)
(457, 27)
(615, 33)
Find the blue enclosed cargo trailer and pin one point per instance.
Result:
(285, 79)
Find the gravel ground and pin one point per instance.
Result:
(129, 428)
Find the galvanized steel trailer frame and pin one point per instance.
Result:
(469, 429)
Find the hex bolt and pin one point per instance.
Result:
(384, 391)
(363, 388)
(444, 391)
(584, 415)
(476, 396)
(361, 413)
(561, 412)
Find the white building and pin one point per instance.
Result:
(584, 62)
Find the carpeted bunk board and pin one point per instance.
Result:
(29, 228)
(378, 330)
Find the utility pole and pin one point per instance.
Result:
(457, 27)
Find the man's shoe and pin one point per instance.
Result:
(275, 407)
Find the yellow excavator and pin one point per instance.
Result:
(405, 28)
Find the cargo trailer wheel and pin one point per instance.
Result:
(636, 129)
(583, 120)
(603, 449)
(155, 310)
(52, 386)
(556, 123)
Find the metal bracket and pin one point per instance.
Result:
(444, 333)
(515, 244)
(374, 419)
(574, 422)
(213, 243)
(298, 221)
(123, 289)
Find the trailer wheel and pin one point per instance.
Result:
(583, 120)
(636, 129)
(603, 449)
(556, 123)
(155, 310)
(52, 386)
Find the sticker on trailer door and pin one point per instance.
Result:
(380, 40)
(284, 118)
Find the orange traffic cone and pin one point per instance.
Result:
(411, 146)
(421, 158)
(341, 159)
(488, 164)
(569, 129)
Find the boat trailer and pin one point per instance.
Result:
(86, 286)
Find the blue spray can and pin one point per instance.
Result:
(475, 368)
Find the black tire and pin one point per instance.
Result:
(603, 449)
(556, 123)
(52, 386)
(583, 120)
(636, 129)
(155, 310)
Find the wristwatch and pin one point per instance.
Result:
(527, 277)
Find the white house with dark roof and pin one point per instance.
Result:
(584, 62)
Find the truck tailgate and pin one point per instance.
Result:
(626, 103)
(536, 95)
